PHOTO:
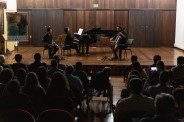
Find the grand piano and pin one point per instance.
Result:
(91, 36)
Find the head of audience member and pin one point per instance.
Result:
(69, 69)
(32, 80)
(107, 70)
(21, 76)
(66, 29)
(160, 65)
(12, 88)
(58, 83)
(1, 69)
(2, 59)
(136, 85)
(178, 94)
(37, 57)
(164, 78)
(133, 58)
(137, 66)
(49, 30)
(156, 58)
(180, 60)
(54, 63)
(18, 58)
(78, 65)
(56, 57)
(6, 75)
(164, 104)
(41, 72)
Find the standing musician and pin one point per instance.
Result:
(118, 40)
(49, 43)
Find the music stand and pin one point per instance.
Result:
(106, 42)
(60, 40)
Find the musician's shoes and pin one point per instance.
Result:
(114, 58)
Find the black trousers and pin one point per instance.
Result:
(52, 49)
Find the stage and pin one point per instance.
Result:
(93, 60)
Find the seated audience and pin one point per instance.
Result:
(54, 68)
(60, 66)
(5, 76)
(137, 66)
(18, 64)
(43, 77)
(156, 58)
(37, 63)
(59, 86)
(178, 94)
(21, 76)
(128, 68)
(178, 71)
(34, 90)
(2, 61)
(14, 99)
(162, 86)
(135, 102)
(164, 108)
(74, 81)
(160, 66)
(81, 74)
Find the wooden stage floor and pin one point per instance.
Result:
(145, 55)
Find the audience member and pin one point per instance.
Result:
(43, 77)
(54, 68)
(21, 76)
(160, 66)
(128, 68)
(156, 58)
(164, 108)
(162, 86)
(5, 76)
(178, 71)
(81, 74)
(178, 94)
(14, 99)
(2, 61)
(137, 66)
(60, 66)
(135, 102)
(74, 81)
(37, 63)
(18, 64)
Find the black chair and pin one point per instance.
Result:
(55, 115)
(125, 47)
(17, 115)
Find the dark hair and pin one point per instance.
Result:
(13, 87)
(178, 94)
(54, 63)
(66, 29)
(164, 103)
(136, 85)
(161, 65)
(21, 76)
(78, 65)
(6, 75)
(137, 66)
(156, 58)
(48, 29)
(37, 56)
(18, 57)
(56, 57)
(106, 70)
(58, 83)
(69, 69)
(32, 80)
(164, 77)
(180, 60)
(133, 58)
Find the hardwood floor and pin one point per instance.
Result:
(145, 55)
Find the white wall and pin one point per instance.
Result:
(179, 34)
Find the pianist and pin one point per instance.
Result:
(69, 40)
(118, 40)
